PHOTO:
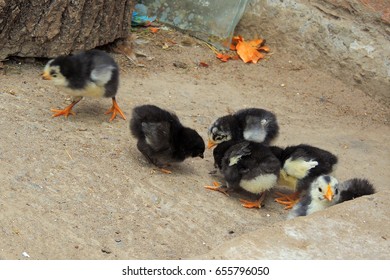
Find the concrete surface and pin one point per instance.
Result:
(348, 38)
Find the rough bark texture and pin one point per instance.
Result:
(46, 28)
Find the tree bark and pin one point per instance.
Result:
(48, 28)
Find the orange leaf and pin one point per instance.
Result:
(223, 57)
(264, 48)
(154, 29)
(203, 64)
(248, 52)
(256, 43)
(237, 39)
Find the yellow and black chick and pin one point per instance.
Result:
(92, 73)
(322, 193)
(162, 139)
(301, 164)
(252, 124)
(246, 165)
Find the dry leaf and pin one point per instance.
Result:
(223, 57)
(203, 64)
(248, 51)
(154, 29)
(264, 48)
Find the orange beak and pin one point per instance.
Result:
(46, 76)
(210, 144)
(329, 193)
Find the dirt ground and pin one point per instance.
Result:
(78, 188)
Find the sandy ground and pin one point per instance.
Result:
(78, 188)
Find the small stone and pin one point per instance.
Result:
(106, 251)
(179, 64)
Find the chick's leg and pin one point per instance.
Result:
(253, 204)
(115, 110)
(289, 200)
(217, 187)
(68, 110)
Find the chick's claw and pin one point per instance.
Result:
(250, 204)
(115, 110)
(220, 189)
(166, 171)
(289, 200)
(65, 112)
(253, 204)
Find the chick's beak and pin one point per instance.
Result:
(46, 76)
(210, 144)
(329, 193)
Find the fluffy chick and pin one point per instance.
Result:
(249, 166)
(92, 73)
(162, 139)
(322, 193)
(253, 124)
(301, 164)
(354, 188)
(326, 191)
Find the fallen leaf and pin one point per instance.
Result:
(154, 29)
(203, 64)
(223, 57)
(248, 51)
(264, 48)
(165, 46)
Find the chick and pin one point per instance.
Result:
(354, 188)
(253, 124)
(326, 191)
(322, 193)
(301, 164)
(162, 139)
(92, 73)
(249, 166)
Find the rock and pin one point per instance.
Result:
(357, 229)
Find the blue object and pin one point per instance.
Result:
(139, 16)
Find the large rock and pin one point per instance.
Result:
(44, 28)
(356, 229)
(348, 38)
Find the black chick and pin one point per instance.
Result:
(162, 139)
(249, 166)
(354, 188)
(301, 164)
(253, 124)
(92, 73)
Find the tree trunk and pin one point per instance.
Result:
(47, 28)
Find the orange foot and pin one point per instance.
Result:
(115, 110)
(217, 187)
(66, 112)
(166, 171)
(289, 200)
(253, 204)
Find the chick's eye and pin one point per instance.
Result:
(53, 73)
(319, 189)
